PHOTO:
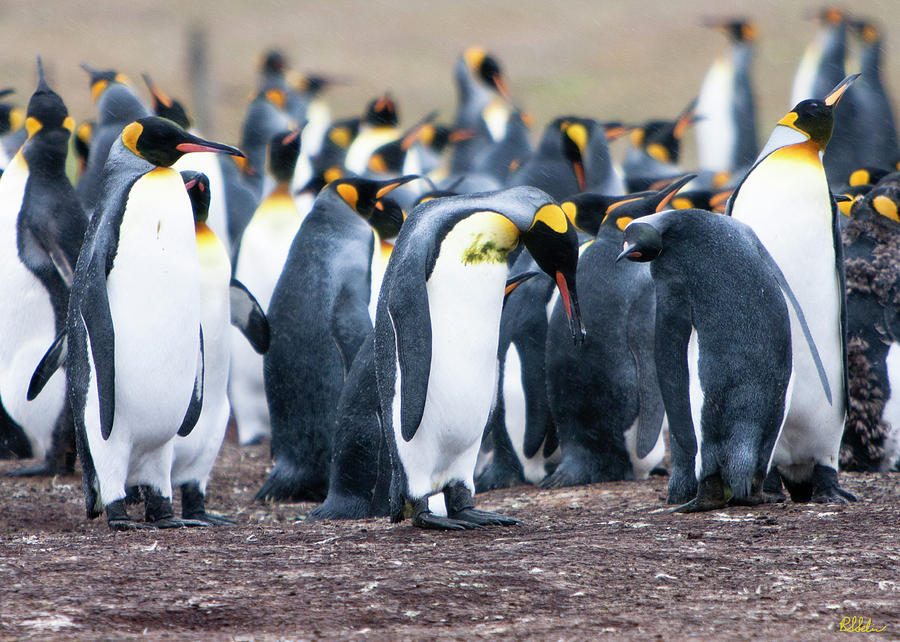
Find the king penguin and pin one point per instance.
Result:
(117, 105)
(786, 200)
(871, 237)
(378, 127)
(319, 314)
(265, 117)
(135, 353)
(222, 301)
(726, 109)
(41, 227)
(436, 338)
(722, 350)
(601, 392)
(260, 259)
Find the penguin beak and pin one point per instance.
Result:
(196, 144)
(500, 84)
(630, 252)
(835, 95)
(565, 283)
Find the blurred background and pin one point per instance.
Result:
(622, 60)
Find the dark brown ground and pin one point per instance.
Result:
(602, 559)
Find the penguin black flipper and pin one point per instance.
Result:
(842, 279)
(102, 339)
(789, 294)
(248, 316)
(640, 336)
(196, 403)
(411, 321)
(513, 282)
(50, 363)
(673, 333)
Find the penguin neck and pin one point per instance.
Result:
(282, 188)
(46, 157)
(870, 62)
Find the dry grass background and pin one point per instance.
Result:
(612, 60)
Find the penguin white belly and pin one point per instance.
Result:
(196, 453)
(318, 119)
(696, 396)
(805, 78)
(357, 158)
(27, 325)
(465, 298)
(891, 412)
(303, 173)
(208, 163)
(380, 256)
(796, 229)
(153, 291)
(715, 126)
(264, 248)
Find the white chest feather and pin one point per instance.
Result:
(357, 159)
(715, 126)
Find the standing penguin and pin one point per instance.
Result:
(41, 227)
(601, 392)
(222, 301)
(232, 204)
(722, 353)
(116, 105)
(786, 200)
(266, 116)
(437, 331)
(135, 355)
(263, 250)
(874, 131)
(871, 440)
(319, 314)
(726, 110)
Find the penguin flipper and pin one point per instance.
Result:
(349, 320)
(411, 320)
(50, 363)
(196, 403)
(94, 310)
(248, 316)
(640, 336)
(842, 282)
(789, 294)
(673, 333)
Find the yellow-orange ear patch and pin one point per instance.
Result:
(658, 152)
(859, 177)
(97, 89)
(553, 217)
(886, 207)
(623, 222)
(32, 125)
(348, 193)
(341, 136)
(16, 119)
(682, 203)
(130, 136)
(570, 210)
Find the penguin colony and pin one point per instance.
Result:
(414, 315)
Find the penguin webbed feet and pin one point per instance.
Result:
(826, 489)
(118, 519)
(159, 512)
(193, 508)
(461, 508)
(712, 494)
(428, 520)
(44, 469)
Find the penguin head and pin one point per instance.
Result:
(643, 243)
(738, 30)
(101, 79)
(553, 244)
(587, 211)
(830, 16)
(661, 139)
(576, 136)
(273, 62)
(197, 186)
(883, 202)
(867, 32)
(811, 120)
(46, 109)
(161, 142)
(284, 148)
(364, 196)
(165, 107)
(847, 199)
(484, 68)
(314, 84)
(11, 118)
(866, 176)
(387, 217)
(382, 112)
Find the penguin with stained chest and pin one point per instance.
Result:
(722, 353)
(604, 392)
(871, 440)
(223, 301)
(117, 105)
(319, 314)
(726, 109)
(260, 259)
(41, 227)
(436, 337)
(785, 199)
(135, 346)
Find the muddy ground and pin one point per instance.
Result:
(589, 561)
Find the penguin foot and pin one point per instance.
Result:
(659, 471)
(773, 489)
(429, 520)
(193, 507)
(712, 494)
(208, 519)
(825, 487)
(159, 512)
(484, 518)
(117, 518)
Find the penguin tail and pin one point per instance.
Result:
(287, 483)
(739, 462)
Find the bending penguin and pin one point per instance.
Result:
(223, 300)
(785, 199)
(722, 352)
(135, 346)
(436, 336)
(41, 229)
(320, 313)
